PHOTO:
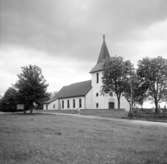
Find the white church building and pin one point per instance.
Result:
(87, 94)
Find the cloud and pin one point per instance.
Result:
(73, 27)
(57, 71)
(148, 42)
(64, 37)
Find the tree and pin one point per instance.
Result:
(154, 73)
(138, 89)
(31, 86)
(115, 75)
(141, 94)
(9, 100)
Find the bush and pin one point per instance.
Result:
(149, 113)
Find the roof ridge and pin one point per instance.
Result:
(78, 82)
(75, 89)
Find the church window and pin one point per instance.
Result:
(111, 94)
(97, 105)
(73, 103)
(97, 94)
(53, 105)
(80, 103)
(97, 77)
(68, 104)
(63, 104)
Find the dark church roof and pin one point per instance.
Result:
(103, 56)
(52, 99)
(75, 90)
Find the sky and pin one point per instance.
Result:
(64, 37)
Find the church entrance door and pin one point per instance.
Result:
(111, 105)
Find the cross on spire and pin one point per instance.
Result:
(104, 37)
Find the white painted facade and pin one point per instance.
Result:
(74, 103)
(53, 105)
(101, 101)
(94, 99)
(89, 100)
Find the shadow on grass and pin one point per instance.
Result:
(26, 114)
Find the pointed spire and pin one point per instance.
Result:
(103, 56)
(104, 53)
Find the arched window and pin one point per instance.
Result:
(62, 104)
(73, 103)
(97, 77)
(68, 104)
(111, 94)
(80, 103)
(97, 105)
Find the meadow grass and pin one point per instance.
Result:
(47, 139)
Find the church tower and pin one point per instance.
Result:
(100, 101)
(103, 57)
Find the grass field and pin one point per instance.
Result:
(95, 112)
(52, 139)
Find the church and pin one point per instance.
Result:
(87, 94)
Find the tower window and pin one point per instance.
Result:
(97, 105)
(111, 94)
(80, 103)
(97, 94)
(73, 103)
(97, 77)
(68, 104)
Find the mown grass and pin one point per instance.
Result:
(32, 139)
(95, 112)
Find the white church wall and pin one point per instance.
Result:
(45, 106)
(94, 99)
(71, 107)
(124, 104)
(104, 99)
(89, 99)
(99, 100)
(53, 105)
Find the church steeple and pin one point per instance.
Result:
(104, 53)
(103, 56)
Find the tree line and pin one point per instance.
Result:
(147, 81)
(30, 90)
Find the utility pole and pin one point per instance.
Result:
(131, 95)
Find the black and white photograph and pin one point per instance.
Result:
(83, 82)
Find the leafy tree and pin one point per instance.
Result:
(141, 94)
(154, 73)
(115, 75)
(31, 86)
(137, 88)
(9, 100)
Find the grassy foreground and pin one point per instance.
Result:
(47, 139)
(94, 112)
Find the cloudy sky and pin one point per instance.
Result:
(63, 37)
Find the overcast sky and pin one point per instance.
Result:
(63, 37)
